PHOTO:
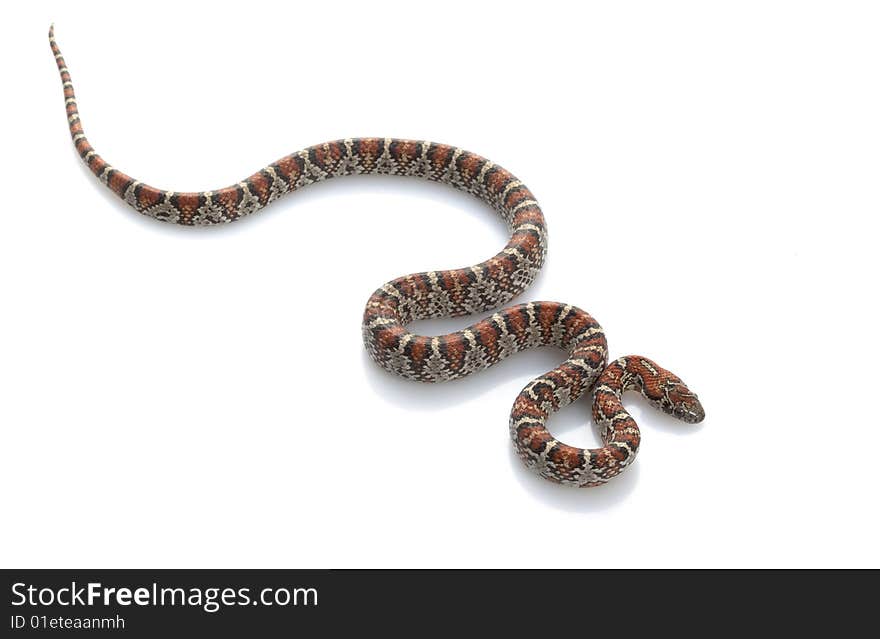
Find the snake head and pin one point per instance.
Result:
(680, 401)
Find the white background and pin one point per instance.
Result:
(200, 397)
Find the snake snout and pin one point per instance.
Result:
(690, 411)
(682, 401)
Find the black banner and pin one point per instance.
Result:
(262, 603)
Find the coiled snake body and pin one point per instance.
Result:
(450, 293)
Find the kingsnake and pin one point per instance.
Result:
(450, 293)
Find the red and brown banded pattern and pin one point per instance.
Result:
(464, 291)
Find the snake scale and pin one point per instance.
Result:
(464, 291)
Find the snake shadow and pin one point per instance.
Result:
(572, 425)
(570, 498)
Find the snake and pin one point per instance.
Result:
(480, 288)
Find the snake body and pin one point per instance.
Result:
(458, 292)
